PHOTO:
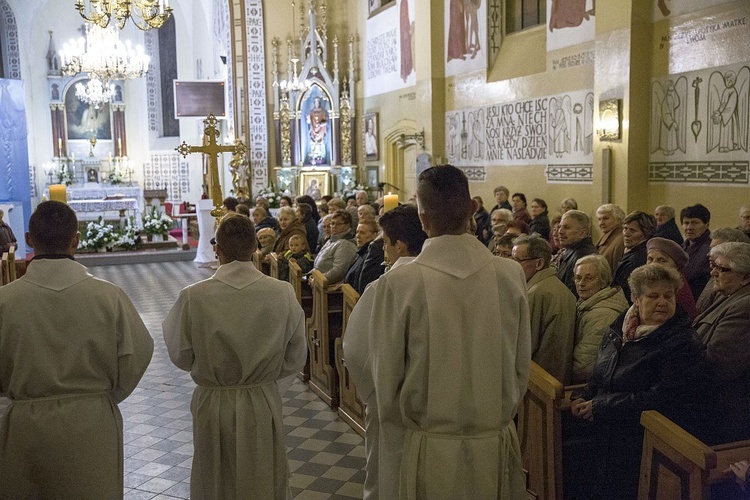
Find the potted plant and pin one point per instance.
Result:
(100, 236)
(156, 223)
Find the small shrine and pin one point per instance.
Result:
(313, 111)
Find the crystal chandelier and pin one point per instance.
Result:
(103, 55)
(95, 92)
(146, 14)
(295, 84)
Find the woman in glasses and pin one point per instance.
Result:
(724, 329)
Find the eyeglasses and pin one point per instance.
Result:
(584, 279)
(721, 269)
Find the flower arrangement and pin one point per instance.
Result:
(64, 175)
(99, 234)
(155, 222)
(271, 195)
(127, 237)
(115, 177)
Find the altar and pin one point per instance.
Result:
(92, 200)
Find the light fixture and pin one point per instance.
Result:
(295, 84)
(95, 92)
(146, 14)
(610, 124)
(102, 54)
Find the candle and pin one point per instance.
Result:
(119, 146)
(57, 192)
(73, 157)
(59, 146)
(110, 158)
(390, 201)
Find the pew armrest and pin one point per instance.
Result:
(677, 438)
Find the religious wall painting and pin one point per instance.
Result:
(372, 137)
(315, 108)
(372, 176)
(475, 132)
(466, 28)
(389, 48)
(84, 120)
(700, 123)
(569, 22)
(560, 112)
(315, 183)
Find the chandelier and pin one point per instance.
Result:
(103, 55)
(295, 84)
(95, 92)
(146, 14)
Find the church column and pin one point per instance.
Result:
(57, 112)
(118, 127)
(430, 72)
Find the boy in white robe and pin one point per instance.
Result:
(448, 340)
(71, 347)
(237, 333)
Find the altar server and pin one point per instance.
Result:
(71, 347)
(447, 380)
(237, 333)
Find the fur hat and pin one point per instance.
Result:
(670, 248)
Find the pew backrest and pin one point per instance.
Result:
(274, 269)
(258, 260)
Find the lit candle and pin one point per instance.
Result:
(110, 158)
(73, 157)
(119, 146)
(57, 192)
(390, 201)
(59, 146)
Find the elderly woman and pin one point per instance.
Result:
(718, 236)
(289, 224)
(539, 218)
(338, 253)
(637, 229)
(261, 219)
(610, 245)
(598, 306)
(499, 220)
(650, 359)
(724, 329)
(568, 204)
(668, 253)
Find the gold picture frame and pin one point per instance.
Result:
(315, 183)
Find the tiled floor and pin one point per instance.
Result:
(326, 457)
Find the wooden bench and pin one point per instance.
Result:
(273, 270)
(327, 319)
(677, 465)
(9, 269)
(304, 296)
(351, 409)
(258, 260)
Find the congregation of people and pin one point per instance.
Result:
(456, 301)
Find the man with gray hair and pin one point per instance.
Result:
(745, 220)
(610, 244)
(666, 227)
(552, 307)
(574, 234)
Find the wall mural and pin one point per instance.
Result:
(570, 22)
(390, 49)
(699, 126)
(556, 131)
(465, 45)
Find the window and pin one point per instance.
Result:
(522, 14)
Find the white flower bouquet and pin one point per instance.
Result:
(155, 222)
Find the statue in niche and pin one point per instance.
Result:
(316, 119)
(728, 111)
(669, 116)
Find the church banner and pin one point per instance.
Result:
(256, 79)
(466, 36)
(550, 130)
(389, 49)
(569, 22)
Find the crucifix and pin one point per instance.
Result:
(212, 149)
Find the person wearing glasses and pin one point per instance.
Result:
(552, 305)
(724, 329)
(339, 252)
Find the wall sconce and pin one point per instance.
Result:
(417, 138)
(610, 124)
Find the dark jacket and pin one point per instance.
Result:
(631, 259)
(697, 270)
(505, 204)
(367, 267)
(296, 228)
(670, 231)
(540, 226)
(312, 232)
(567, 263)
(268, 222)
(482, 218)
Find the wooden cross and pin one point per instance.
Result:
(212, 150)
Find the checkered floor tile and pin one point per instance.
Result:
(325, 456)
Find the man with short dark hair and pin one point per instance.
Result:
(447, 380)
(71, 348)
(237, 333)
(697, 243)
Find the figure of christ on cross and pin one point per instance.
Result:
(212, 150)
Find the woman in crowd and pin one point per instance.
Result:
(539, 218)
(554, 239)
(262, 202)
(504, 245)
(598, 306)
(290, 225)
(668, 253)
(499, 220)
(520, 212)
(610, 244)
(261, 219)
(482, 219)
(325, 232)
(724, 329)
(308, 199)
(501, 197)
(304, 213)
(338, 253)
(709, 294)
(285, 201)
(517, 228)
(650, 359)
(637, 229)
(568, 204)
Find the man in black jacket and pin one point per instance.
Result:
(575, 239)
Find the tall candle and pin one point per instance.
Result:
(119, 146)
(59, 146)
(390, 201)
(57, 192)
(110, 158)
(73, 157)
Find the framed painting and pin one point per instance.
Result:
(84, 120)
(315, 183)
(372, 176)
(372, 146)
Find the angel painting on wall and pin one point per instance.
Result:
(560, 111)
(669, 116)
(728, 110)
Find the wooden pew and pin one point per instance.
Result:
(10, 269)
(540, 433)
(257, 260)
(326, 328)
(351, 409)
(274, 266)
(304, 296)
(677, 465)
(4, 270)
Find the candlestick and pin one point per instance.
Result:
(57, 192)
(59, 146)
(73, 157)
(119, 146)
(390, 201)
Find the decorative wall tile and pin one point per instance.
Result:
(167, 170)
(575, 174)
(710, 172)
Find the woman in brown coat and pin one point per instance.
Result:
(289, 224)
